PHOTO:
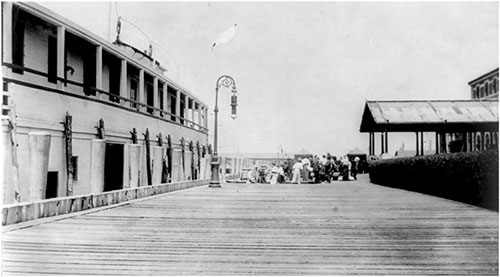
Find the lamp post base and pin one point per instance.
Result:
(215, 182)
(214, 185)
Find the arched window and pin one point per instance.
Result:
(486, 140)
(478, 142)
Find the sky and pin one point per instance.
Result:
(304, 70)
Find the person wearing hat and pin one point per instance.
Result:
(297, 168)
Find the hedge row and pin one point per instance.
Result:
(468, 177)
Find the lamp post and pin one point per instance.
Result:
(225, 81)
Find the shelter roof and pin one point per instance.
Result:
(429, 115)
(303, 152)
(356, 151)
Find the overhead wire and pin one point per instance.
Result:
(151, 42)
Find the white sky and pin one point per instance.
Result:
(305, 69)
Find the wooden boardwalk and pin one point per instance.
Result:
(341, 228)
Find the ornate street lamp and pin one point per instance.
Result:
(225, 81)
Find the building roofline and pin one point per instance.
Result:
(483, 76)
(431, 101)
(56, 19)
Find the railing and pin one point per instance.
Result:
(132, 105)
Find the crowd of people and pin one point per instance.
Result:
(304, 170)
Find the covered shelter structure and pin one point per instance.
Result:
(356, 152)
(303, 154)
(459, 125)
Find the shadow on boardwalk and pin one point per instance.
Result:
(261, 229)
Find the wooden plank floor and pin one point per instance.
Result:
(341, 228)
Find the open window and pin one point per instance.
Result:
(182, 108)
(18, 29)
(149, 90)
(80, 64)
(171, 94)
(133, 79)
(111, 75)
(161, 97)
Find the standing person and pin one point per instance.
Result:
(354, 168)
(335, 168)
(297, 168)
(315, 167)
(249, 176)
(346, 167)
(306, 165)
(323, 169)
(328, 169)
(274, 175)
(288, 169)
(281, 174)
(252, 175)
(262, 175)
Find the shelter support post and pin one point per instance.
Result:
(386, 142)
(445, 148)
(421, 143)
(370, 141)
(482, 140)
(437, 143)
(381, 142)
(416, 145)
(464, 142)
(373, 143)
(473, 141)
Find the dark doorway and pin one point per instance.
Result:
(52, 184)
(113, 167)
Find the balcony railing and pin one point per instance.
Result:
(117, 100)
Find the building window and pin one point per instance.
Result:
(113, 65)
(182, 109)
(476, 95)
(487, 141)
(52, 60)
(133, 92)
(171, 94)
(160, 97)
(478, 142)
(149, 97)
(482, 93)
(149, 90)
(18, 39)
(486, 91)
